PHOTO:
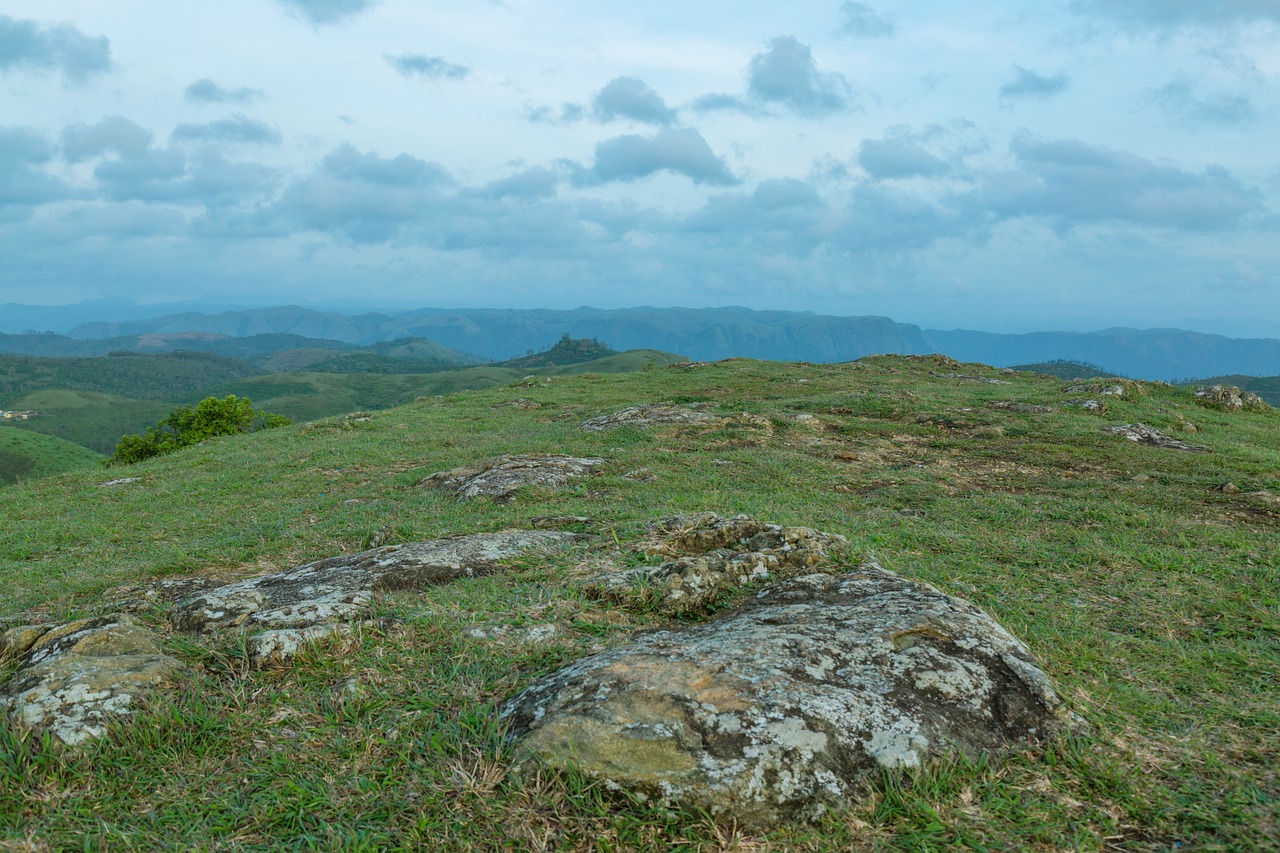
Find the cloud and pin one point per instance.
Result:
(898, 158)
(1028, 84)
(238, 129)
(1179, 100)
(1172, 14)
(630, 98)
(538, 182)
(60, 47)
(720, 102)
(206, 91)
(679, 150)
(859, 19)
(363, 196)
(568, 114)
(787, 75)
(23, 152)
(431, 67)
(327, 11)
(114, 134)
(1072, 183)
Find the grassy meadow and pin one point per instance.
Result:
(1149, 592)
(27, 455)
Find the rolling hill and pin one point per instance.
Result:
(26, 455)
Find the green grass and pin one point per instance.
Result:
(90, 419)
(1151, 600)
(26, 455)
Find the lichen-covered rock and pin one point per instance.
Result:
(73, 677)
(710, 555)
(1228, 398)
(501, 477)
(1144, 434)
(310, 601)
(649, 415)
(788, 704)
(1021, 408)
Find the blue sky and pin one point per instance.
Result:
(1058, 164)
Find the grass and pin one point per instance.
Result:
(28, 455)
(1148, 592)
(90, 419)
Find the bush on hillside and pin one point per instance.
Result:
(185, 426)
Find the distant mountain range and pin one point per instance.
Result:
(703, 334)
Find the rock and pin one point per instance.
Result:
(1106, 389)
(532, 634)
(72, 678)
(1230, 488)
(1228, 398)
(1141, 478)
(967, 377)
(312, 601)
(16, 641)
(709, 556)
(647, 416)
(792, 702)
(1022, 408)
(501, 477)
(1148, 435)
(519, 403)
(121, 481)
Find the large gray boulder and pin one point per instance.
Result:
(72, 678)
(787, 705)
(284, 609)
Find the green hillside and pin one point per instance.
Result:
(26, 455)
(1143, 578)
(144, 377)
(1067, 369)
(90, 419)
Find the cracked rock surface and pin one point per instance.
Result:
(1144, 434)
(647, 416)
(501, 477)
(709, 555)
(311, 601)
(72, 678)
(786, 705)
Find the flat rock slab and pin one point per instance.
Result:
(1144, 434)
(790, 703)
(310, 601)
(73, 677)
(709, 555)
(648, 416)
(501, 477)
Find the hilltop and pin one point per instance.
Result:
(1141, 575)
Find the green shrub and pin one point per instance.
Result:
(185, 426)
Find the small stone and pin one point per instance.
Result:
(1142, 478)
(1140, 432)
(1231, 488)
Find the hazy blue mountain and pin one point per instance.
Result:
(713, 333)
(1166, 354)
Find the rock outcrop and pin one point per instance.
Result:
(72, 678)
(648, 416)
(1144, 434)
(790, 703)
(1229, 398)
(502, 476)
(710, 555)
(285, 609)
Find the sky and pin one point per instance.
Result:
(1057, 164)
